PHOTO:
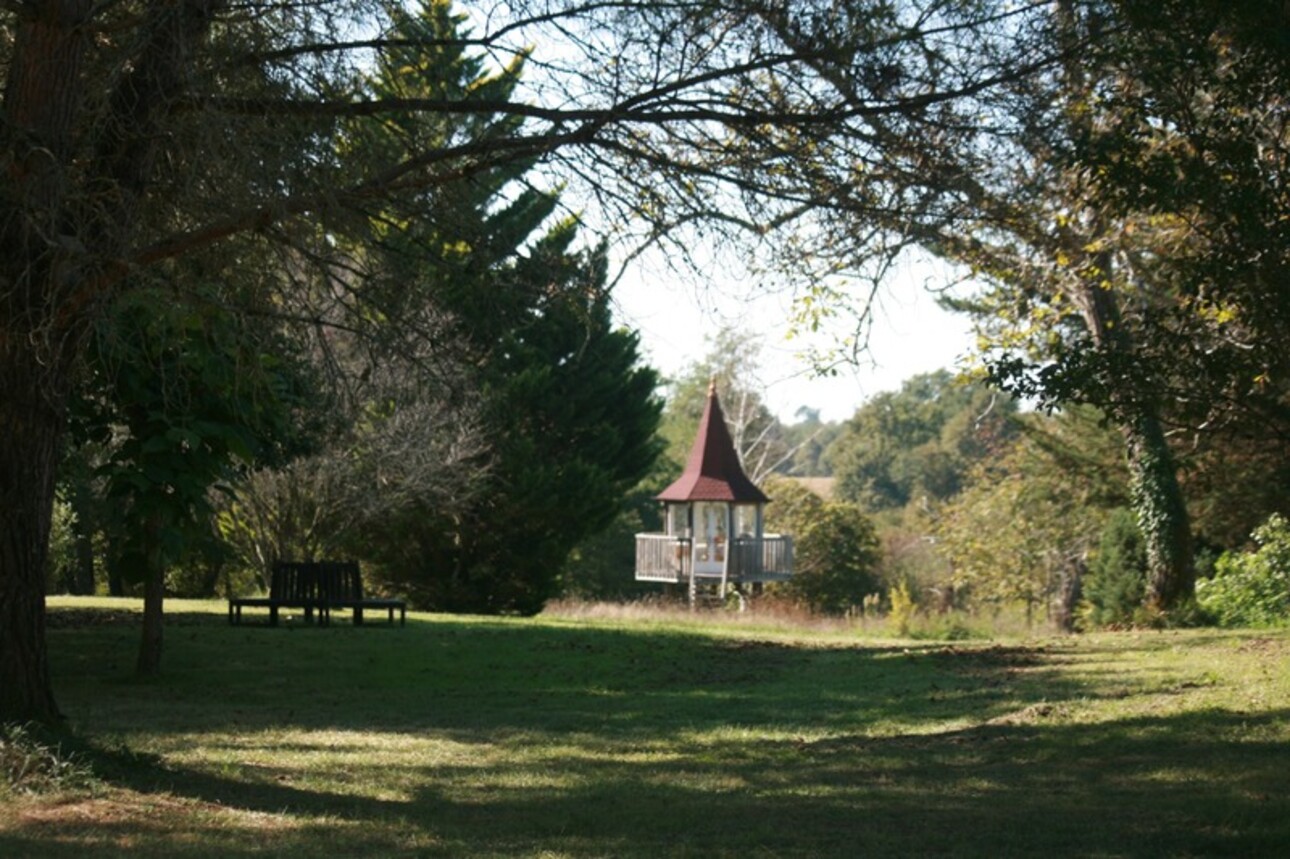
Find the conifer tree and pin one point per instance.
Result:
(567, 412)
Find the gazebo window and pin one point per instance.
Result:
(678, 520)
(746, 520)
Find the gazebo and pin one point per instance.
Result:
(713, 514)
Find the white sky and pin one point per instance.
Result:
(911, 334)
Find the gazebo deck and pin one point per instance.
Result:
(666, 558)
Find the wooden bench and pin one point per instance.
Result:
(317, 586)
(341, 587)
(291, 585)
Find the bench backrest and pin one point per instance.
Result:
(316, 580)
(340, 580)
(294, 581)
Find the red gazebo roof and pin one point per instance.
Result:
(713, 472)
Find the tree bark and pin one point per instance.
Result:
(30, 426)
(41, 102)
(1070, 588)
(115, 577)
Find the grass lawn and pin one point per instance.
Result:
(483, 737)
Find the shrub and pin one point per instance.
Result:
(30, 765)
(837, 559)
(903, 608)
(835, 548)
(1251, 588)
(1117, 578)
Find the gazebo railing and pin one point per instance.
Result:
(766, 557)
(666, 558)
(662, 557)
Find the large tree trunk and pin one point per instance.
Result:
(65, 217)
(30, 426)
(40, 106)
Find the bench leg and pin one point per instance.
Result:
(358, 615)
(273, 615)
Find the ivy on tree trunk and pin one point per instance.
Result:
(1162, 515)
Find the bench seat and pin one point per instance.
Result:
(321, 586)
(291, 585)
(341, 586)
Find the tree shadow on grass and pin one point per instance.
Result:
(633, 743)
(1183, 785)
(65, 617)
(1170, 786)
(463, 678)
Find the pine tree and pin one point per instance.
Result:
(567, 412)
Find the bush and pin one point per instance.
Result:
(30, 765)
(1117, 577)
(1252, 588)
(903, 608)
(837, 558)
(835, 548)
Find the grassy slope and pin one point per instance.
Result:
(474, 737)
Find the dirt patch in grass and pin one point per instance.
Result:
(101, 812)
(994, 657)
(1264, 646)
(125, 820)
(1033, 714)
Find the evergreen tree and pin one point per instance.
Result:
(566, 412)
(1117, 577)
(570, 417)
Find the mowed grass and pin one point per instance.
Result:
(484, 737)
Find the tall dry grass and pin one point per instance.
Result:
(780, 615)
